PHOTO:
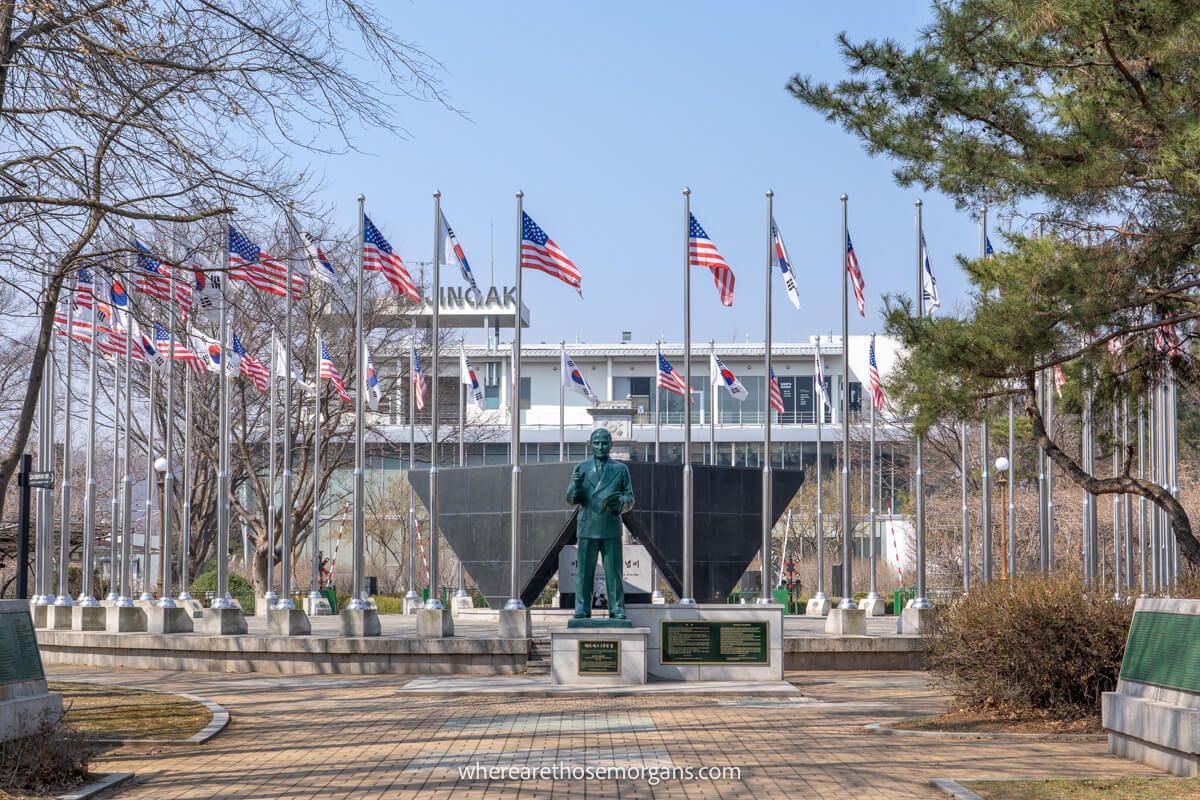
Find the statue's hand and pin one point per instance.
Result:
(612, 504)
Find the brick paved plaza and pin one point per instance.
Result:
(338, 737)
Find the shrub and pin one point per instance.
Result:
(207, 582)
(1046, 643)
(47, 762)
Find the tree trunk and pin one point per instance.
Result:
(1181, 526)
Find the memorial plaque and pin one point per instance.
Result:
(19, 657)
(1163, 649)
(599, 657)
(714, 642)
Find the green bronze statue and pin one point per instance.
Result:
(601, 489)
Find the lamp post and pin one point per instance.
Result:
(1002, 482)
(160, 469)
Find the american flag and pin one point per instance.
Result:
(856, 277)
(1060, 379)
(115, 338)
(81, 327)
(154, 278)
(331, 374)
(247, 262)
(418, 381)
(251, 367)
(703, 253)
(85, 289)
(668, 378)
(378, 257)
(181, 352)
(876, 386)
(538, 251)
(776, 395)
(1166, 340)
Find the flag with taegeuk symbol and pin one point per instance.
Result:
(471, 380)
(723, 376)
(573, 379)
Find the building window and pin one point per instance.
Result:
(526, 393)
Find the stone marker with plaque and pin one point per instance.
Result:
(26, 704)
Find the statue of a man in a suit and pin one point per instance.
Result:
(601, 489)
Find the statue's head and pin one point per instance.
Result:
(601, 443)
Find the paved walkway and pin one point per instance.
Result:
(337, 737)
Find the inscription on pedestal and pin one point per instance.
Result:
(19, 658)
(599, 657)
(705, 642)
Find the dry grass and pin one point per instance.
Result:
(996, 721)
(1105, 788)
(111, 712)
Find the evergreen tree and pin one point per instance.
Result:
(1085, 110)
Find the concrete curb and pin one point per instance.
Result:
(886, 728)
(95, 787)
(220, 717)
(955, 789)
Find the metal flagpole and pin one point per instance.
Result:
(462, 458)
(712, 408)
(64, 597)
(356, 599)
(166, 504)
(1116, 503)
(1173, 469)
(222, 600)
(185, 531)
(1127, 505)
(314, 589)
(1152, 440)
(285, 562)
(269, 596)
(819, 403)
(1043, 531)
(873, 589)
(39, 560)
(435, 601)
(114, 502)
(847, 523)
(1141, 453)
(966, 531)
(462, 417)
(1012, 491)
(1090, 540)
(87, 596)
(562, 400)
(687, 598)
(124, 590)
(515, 603)
(147, 538)
(985, 458)
(411, 597)
(985, 435)
(920, 601)
(765, 594)
(657, 406)
(315, 542)
(1049, 389)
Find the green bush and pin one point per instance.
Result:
(389, 603)
(1045, 643)
(208, 582)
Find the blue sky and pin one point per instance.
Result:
(602, 113)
